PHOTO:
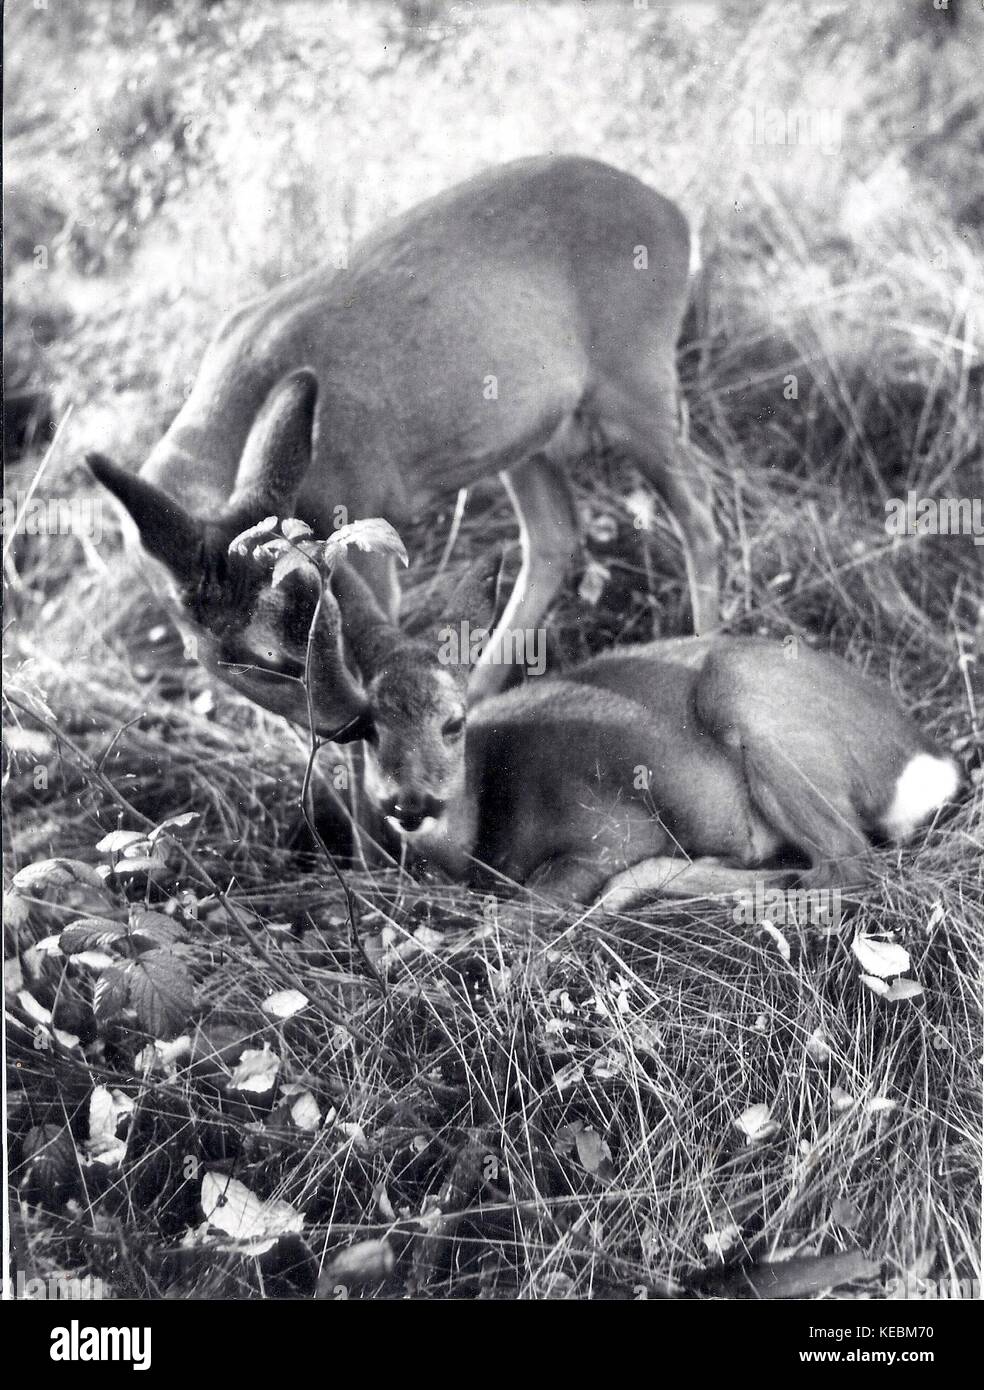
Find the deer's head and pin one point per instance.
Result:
(404, 696)
(252, 634)
(414, 726)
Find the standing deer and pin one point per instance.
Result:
(478, 334)
(682, 766)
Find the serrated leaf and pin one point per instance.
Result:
(162, 993)
(881, 958)
(55, 873)
(242, 544)
(287, 563)
(155, 927)
(285, 1003)
(112, 992)
(88, 933)
(371, 535)
(51, 1147)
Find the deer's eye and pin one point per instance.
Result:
(454, 728)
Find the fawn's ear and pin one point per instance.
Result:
(167, 531)
(277, 453)
(475, 599)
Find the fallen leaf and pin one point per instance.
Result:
(257, 1070)
(778, 937)
(594, 1154)
(285, 1003)
(229, 1206)
(363, 1263)
(881, 958)
(875, 985)
(720, 1242)
(904, 989)
(756, 1123)
(880, 1105)
(817, 1046)
(846, 1213)
(305, 1112)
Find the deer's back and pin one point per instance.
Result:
(458, 337)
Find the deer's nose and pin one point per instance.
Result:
(411, 809)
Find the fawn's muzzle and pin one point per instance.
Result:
(410, 811)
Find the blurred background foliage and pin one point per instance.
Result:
(168, 158)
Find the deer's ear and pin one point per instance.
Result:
(167, 531)
(475, 599)
(277, 454)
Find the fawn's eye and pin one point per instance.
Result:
(454, 728)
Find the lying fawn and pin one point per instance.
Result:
(681, 765)
(480, 333)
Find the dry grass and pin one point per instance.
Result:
(471, 1047)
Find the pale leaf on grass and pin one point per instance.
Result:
(817, 1046)
(229, 1206)
(94, 960)
(840, 1099)
(719, 1243)
(594, 1154)
(35, 1011)
(879, 987)
(778, 937)
(117, 841)
(285, 1003)
(161, 1056)
(880, 958)
(305, 1112)
(107, 1109)
(56, 873)
(903, 989)
(257, 1070)
(367, 1262)
(880, 1105)
(756, 1123)
(846, 1213)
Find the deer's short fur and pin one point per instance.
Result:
(477, 334)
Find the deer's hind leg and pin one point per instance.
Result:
(640, 416)
(799, 780)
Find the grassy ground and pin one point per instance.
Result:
(518, 1102)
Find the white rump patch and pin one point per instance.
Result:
(925, 785)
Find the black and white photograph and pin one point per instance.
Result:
(493, 712)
